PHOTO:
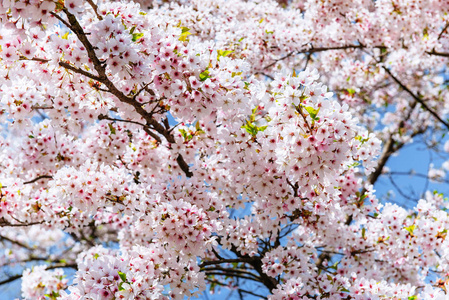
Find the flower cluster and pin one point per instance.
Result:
(158, 151)
(40, 282)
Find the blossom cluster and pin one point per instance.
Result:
(153, 149)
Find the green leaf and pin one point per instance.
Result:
(361, 139)
(183, 133)
(335, 267)
(355, 164)
(312, 112)
(131, 31)
(184, 34)
(410, 228)
(221, 53)
(412, 297)
(111, 128)
(204, 75)
(53, 295)
(31, 136)
(425, 33)
(350, 91)
(137, 36)
(363, 197)
(122, 276)
(250, 128)
(120, 286)
(96, 255)
(363, 232)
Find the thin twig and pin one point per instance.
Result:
(54, 266)
(418, 99)
(95, 8)
(78, 70)
(103, 78)
(224, 261)
(38, 178)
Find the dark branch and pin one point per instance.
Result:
(54, 266)
(102, 77)
(312, 50)
(78, 70)
(145, 127)
(418, 99)
(433, 52)
(38, 178)
(95, 8)
(224, 261)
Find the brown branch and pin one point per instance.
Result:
(34, 180)
(54, 266)
(418, 99)
(2, 237)
(231, 270)
(224, 261)
(278, 60)
(234, 286)
(216, 273)
(102, 77)
(38, 178)
(312, 50)
(35, 59)
(443, 31)
(42, 107)
(78, 70)
(433, 52)
(256, 262)
(145, 127)
(60, 19)
(4, 223)
(95, 8)
(10, 279)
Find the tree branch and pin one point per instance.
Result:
(216, 273)
(145, 127)
(78, 70)
(102, 77)
(418, 99)
(54, 266)
(433, 52)
(4, 223)
(312, 50)
(224, 261)
(95, 8)
(232, 270)
(2, 237)
(38, 178)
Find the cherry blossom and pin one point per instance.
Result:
(154, 150)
